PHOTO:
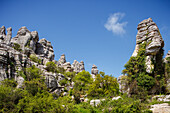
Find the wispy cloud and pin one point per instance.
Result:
(113, 24)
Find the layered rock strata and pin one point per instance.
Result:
(148, 32)
(94, 71)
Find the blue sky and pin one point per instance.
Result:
(100, 32)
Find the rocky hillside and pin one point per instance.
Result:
(26, 50)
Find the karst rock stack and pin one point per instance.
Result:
(149, 37)
(148, 32)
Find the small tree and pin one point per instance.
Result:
(51, 67)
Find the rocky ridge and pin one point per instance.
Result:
(15, 56)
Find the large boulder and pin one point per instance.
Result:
(160, 108)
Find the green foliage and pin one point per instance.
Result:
(35, 59)
(145, 81)
(138, 77)
(21, 73)
(34, 86)
(103, 85)
(81, 83)
(51, 67)
(42, 102)
(70, 75)
(33, 73)
(9, 96)
(124, 105)
(63, 82)
(34, 97)
(17, 47)
(167, 67)
(9, 83)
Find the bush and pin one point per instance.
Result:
(35, 59)
(9, 97)
(51, 67)
(63, 82)
(104, 85)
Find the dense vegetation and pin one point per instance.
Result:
(34, 96)
(139, 80)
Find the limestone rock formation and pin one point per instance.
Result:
(160, 108)
(13, 60)
(20, 52)
(44, 50)
(62, 60)
(23, 37)
(78, 67)
(146, 61)
(94, 71)
(148, 32)
(123, 84)
(5, 38)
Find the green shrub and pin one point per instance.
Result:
(33, 73)
(51, 67)
(104, 85)
(17, 47)
(63, 82)
(135, 70)
(35, 59)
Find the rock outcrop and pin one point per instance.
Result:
(3, 37)
(94, 71)
(78, 67)
(160, 108)
(123, 84)
(15, 59)
(146, 61)
(148, 32)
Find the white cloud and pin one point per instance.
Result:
(114, 25)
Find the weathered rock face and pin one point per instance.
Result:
(23, 37)
(160, 108)
(78, 67)
(123, 84)
(148, 32)
(94, 71)
(15, 55)
(62, 60)
(3, 37)
(12, 60)
(45, 50)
